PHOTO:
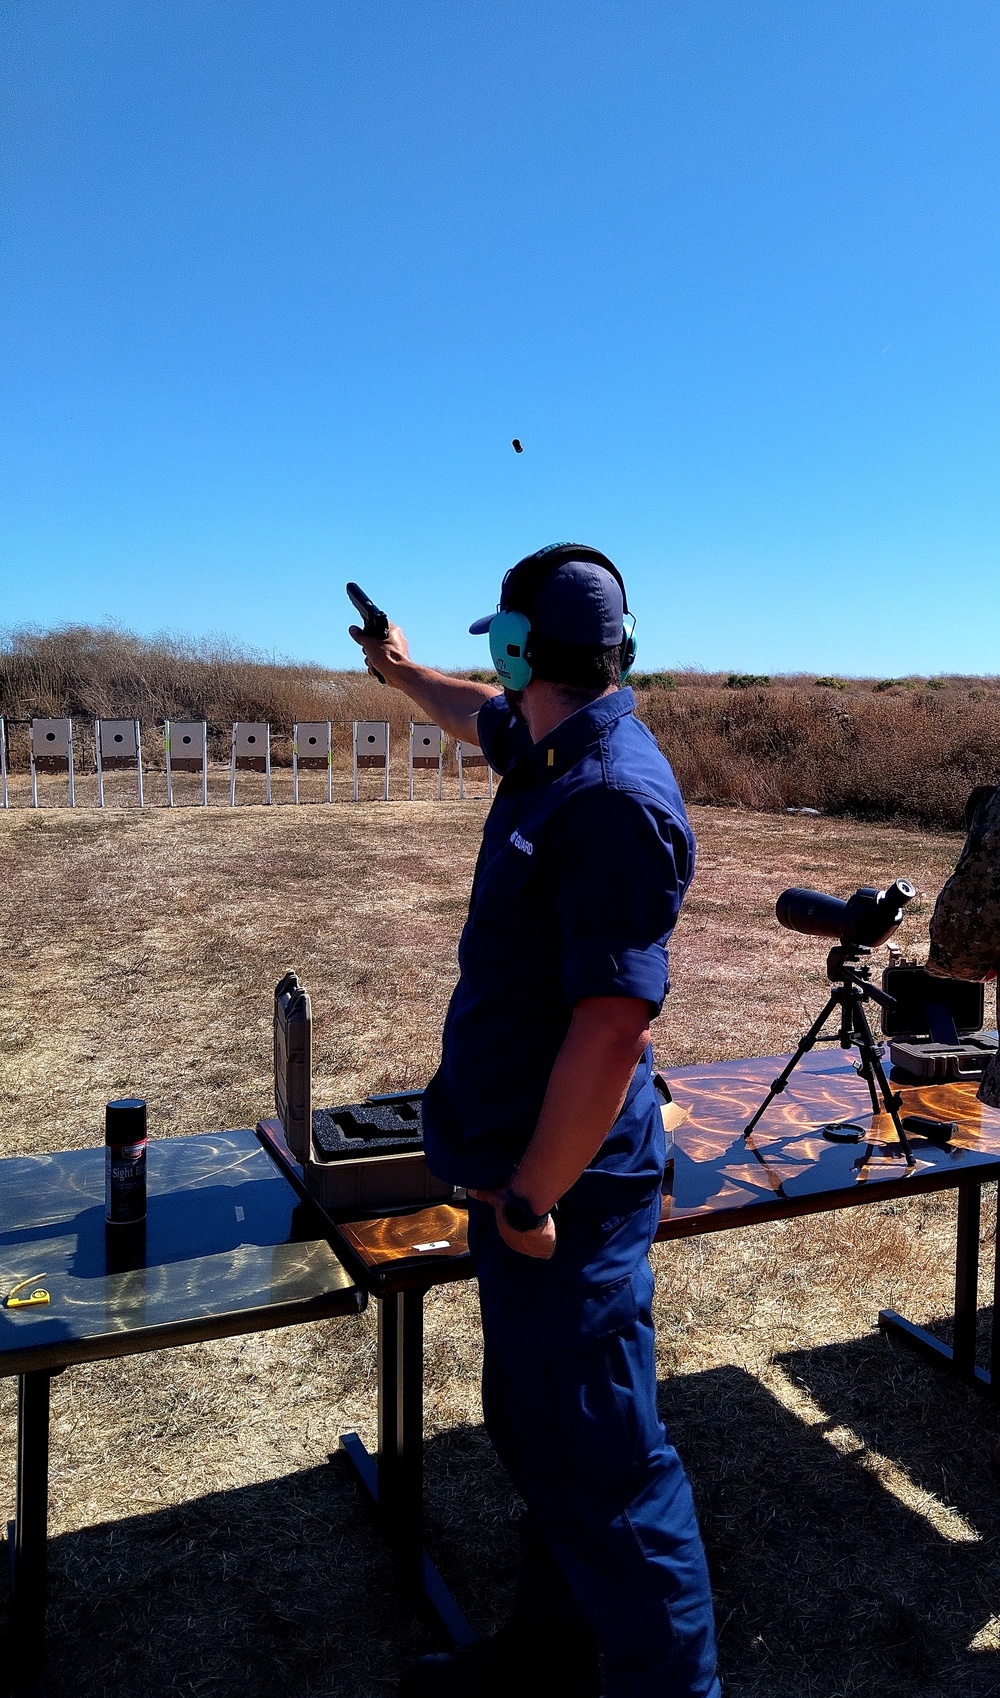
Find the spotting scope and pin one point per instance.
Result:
(865, 920)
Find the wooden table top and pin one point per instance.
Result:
(720, 1178)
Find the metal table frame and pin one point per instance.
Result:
(393, 1478)
(27, 1533)
(960, 1356)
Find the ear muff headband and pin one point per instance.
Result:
(521, 583)
(510, 631)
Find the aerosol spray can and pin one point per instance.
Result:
(125, 1162)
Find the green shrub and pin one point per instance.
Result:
(652, 681)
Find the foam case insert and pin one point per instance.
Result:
(375, 1127)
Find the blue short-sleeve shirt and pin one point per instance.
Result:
(586, 855)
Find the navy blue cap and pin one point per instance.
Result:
(574, 603)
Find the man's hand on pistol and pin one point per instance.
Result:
(449, 702)
(387, 655)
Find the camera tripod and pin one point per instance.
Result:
(851, 989)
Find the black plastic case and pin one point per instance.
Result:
(370, 1155)
(935, 1030)
(365, 1156)
(293, 1062)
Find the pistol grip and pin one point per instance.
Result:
(379, 629)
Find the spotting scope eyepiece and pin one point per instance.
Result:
(865, 920)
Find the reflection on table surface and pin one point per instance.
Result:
(720, 1177)
(787, 1158)
(225, 1236)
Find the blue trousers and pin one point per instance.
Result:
(569, 1400)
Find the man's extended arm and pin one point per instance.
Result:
(452, 703)
(587, 1087)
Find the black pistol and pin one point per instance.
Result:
(375, 623)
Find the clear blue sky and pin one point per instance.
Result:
(281, 279)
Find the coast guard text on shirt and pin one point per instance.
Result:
(522, 843)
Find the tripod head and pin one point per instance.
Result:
(840, 969)
(839, 962)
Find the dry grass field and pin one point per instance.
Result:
(204, 1541)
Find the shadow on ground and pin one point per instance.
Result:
(858, 1554)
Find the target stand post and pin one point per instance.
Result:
(371, 749)
(251, 753)
(469, 756)
(185, 747)
(426, 752)
(51, 742)
(117, 743)
(312, 748)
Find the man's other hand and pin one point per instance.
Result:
(390, 655)
(539, 1244)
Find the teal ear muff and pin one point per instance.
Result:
(509, 635)
(628, 649)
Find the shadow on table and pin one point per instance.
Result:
(181, 1226)
(856, 1555)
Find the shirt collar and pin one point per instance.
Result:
(563, 747)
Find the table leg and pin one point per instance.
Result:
(960, 1355)
(394, 1480)
(28, 1533)
(995, 1328)
(966, 1281)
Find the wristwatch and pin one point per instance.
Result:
(519, 1215)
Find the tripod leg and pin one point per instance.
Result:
(869, 1080)
(852, 1036)
(871, 1064)
(805, 1043)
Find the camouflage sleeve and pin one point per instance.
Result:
(965, 925)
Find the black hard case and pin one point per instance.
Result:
(935, 1029)
(365, 1156)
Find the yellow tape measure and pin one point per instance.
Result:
(36, 1299)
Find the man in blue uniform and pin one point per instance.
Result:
(543, 1106)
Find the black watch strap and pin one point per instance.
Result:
(519, 1215)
